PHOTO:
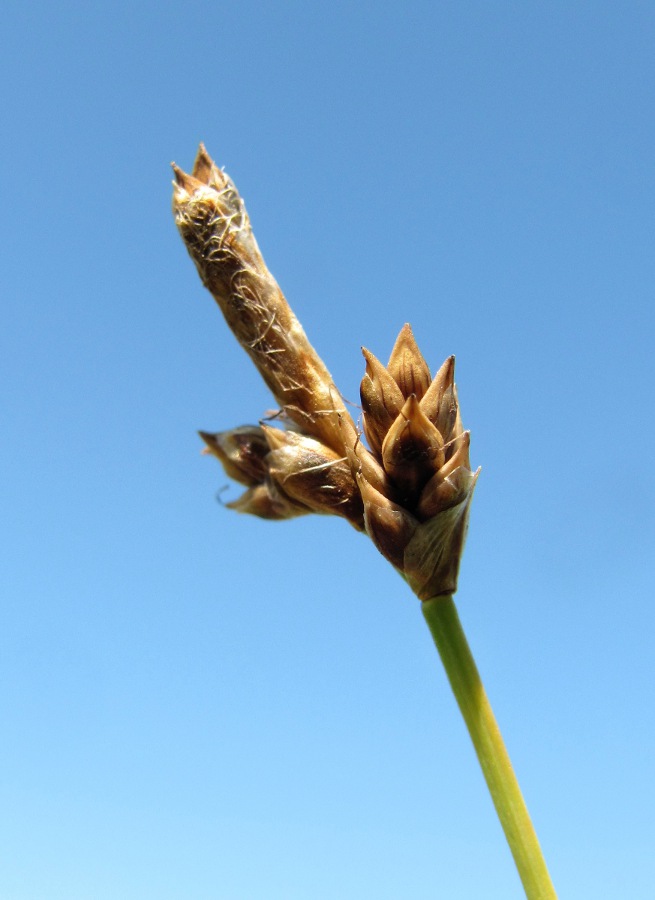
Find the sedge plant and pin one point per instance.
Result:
(404, 478)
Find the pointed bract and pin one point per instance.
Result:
(241, 451)
(407, 366)
(389, 525)
(457, 454)
(382, 400)
(204, 166)
(447, 414)
(313, 474)
(412, 450)
(431, 559)
(185, 184)
(266, 502)
(442, 380)
(363, 462)
(442, 492)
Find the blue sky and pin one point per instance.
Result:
(200, 705)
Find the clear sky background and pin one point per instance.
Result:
(196, 705)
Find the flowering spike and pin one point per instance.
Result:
(215, 227)
(407, 366)
(424, 457)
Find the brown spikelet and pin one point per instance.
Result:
(418, 485)
(215, 227)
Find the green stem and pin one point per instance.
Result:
(441, 615)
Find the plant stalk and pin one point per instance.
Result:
(441, 616)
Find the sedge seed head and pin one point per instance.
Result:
(410, 488)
